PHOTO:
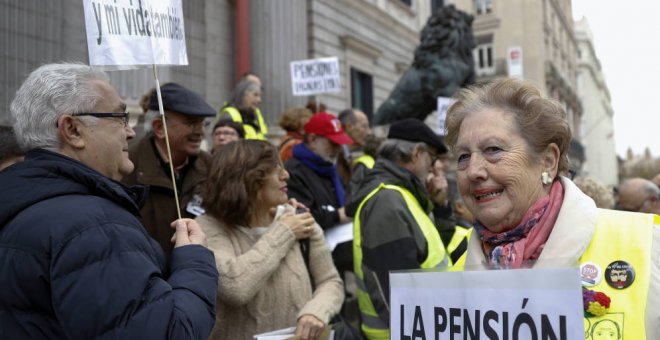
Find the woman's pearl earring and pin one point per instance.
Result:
(545, 178)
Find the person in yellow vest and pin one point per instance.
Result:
(243, 107)
(511, 145)
(457, 229)
(393, 227)
(356, 124)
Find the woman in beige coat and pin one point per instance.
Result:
(256, 236)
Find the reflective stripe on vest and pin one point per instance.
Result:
(457, 247)
(372, 326)
(250, 132)
(623, 236)
(367, 160)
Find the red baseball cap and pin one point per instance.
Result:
(328, 126)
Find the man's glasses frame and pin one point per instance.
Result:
(122, 115)
(204, 124)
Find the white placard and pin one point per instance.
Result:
(338, 234)
(443, 105)
(514, 60)
(495, 304)
(314, 76)
(135, 32)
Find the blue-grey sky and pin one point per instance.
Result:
(626, 42)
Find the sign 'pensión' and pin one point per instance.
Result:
(494, 304)
(315, 76)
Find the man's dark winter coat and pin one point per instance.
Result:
(76, 263)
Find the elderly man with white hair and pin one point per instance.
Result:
(75, 262)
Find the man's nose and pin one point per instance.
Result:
(130, 133)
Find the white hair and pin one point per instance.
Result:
(149, 117)
(397, 150)
(49, 92)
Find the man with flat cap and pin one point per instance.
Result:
(393, 225)
(185, 111)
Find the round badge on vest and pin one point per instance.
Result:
(619, 274)
(590, 274)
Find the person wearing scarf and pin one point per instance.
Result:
(511, 148)
(314, 180)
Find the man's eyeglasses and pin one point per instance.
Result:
(434, 156)
(121, 115)
(191, 124)
(225, 133)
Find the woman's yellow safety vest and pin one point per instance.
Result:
(621, 236)
(250, 132)
(372, 326)
(461, 235)
(366, 160)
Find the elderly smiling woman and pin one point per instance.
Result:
(511, 146)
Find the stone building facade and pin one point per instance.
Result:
(373, 39)
(543, 31)
(597, 125)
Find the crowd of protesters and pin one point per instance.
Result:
(93, 242)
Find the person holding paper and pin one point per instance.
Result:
(394, 227)
(75, 262)
(243, 107)
(185, 113)
(511, 149)
(267, 282)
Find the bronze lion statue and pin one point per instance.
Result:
(443, 63)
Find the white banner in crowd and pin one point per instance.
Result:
(494, 304)
(135, 32)
(314, 76)
(514, 60)
(443, 105)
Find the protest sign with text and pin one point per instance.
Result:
(314, 76)
(495, 304)
(135, 32)
(443, 106)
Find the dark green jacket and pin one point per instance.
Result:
(391, 238)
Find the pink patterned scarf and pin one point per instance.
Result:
(525, 242)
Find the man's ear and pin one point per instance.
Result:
(70, 131)
(157, 128)
(417, 151)
(550, 159)
(348, 127)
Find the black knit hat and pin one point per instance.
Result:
(181, 100)
(414, 130)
